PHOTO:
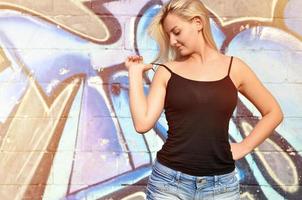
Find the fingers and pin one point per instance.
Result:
(134, 58)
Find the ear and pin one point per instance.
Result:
(198, 22)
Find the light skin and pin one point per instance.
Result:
(202, 63)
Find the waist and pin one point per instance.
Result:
(189, 177)
(203, 163)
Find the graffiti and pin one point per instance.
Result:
(65, 125)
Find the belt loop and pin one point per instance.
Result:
(216, 178)
(178, 173)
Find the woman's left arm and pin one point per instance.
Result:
(251, 87)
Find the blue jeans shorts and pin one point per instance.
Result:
(165, 183)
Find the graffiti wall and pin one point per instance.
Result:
(65, 124)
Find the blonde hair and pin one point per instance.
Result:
(186, 9)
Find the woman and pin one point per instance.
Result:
(197, 87)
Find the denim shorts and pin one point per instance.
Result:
(165, 183)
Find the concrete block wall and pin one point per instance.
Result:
(65, 126)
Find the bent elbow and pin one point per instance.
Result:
(143, 127)
(140, 130)
(280, 116)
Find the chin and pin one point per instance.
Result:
(184, 53)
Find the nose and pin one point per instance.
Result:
(173, 41)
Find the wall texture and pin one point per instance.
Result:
(65, 126)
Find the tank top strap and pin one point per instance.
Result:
(163, 66)
(230, 65)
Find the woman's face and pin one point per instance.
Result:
(183, 35)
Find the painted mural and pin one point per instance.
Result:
(65, 125)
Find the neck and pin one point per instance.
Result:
(204, 54)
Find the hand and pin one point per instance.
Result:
(238, 150)
(136, 62)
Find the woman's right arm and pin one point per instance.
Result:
(145, 111)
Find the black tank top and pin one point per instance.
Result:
(198, 115)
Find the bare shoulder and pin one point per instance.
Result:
(241, 72)
(163, 74)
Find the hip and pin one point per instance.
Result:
(166, 183)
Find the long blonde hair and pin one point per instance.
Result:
(186, 9)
